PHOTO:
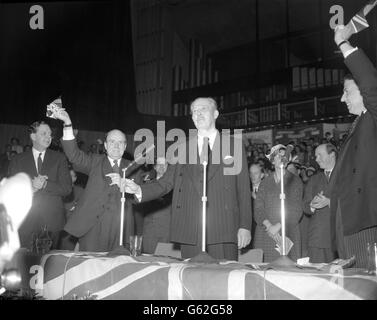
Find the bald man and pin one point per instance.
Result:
(96, 218)
(229, 215)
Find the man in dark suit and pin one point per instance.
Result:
(156, 213)
(353, 184)
(317, 206)
(229, 215)
(51, 181)
(96, 218)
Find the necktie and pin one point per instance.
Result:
(39, 163)
(327, 173)
(206, 151)
(115, 166)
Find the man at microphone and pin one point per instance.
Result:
(96, 218)
(229, 215)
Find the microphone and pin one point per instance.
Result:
(139, 157)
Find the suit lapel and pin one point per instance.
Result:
(106, 169)
(339, 161)
(213, 168)
(353, 127)
(194, 170)
(31, 164)
(47, 162)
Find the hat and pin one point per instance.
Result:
(275, 150)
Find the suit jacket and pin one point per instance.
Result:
(354, 180)
(229, 198)
(319, 220)
(94, 202)
(47, 208)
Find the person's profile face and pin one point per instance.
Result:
(352, 97)
(325, 161)
(204, 114)
(115, 144)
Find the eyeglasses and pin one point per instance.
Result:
(113, 143)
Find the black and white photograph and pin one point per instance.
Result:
(164, 151)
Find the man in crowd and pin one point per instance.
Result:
(51, 181)
(317, 206)
(353, 182)
(156, 213)
(15, 143)
(229, 216)
(256, 176)
(96, 217)
(4, 161)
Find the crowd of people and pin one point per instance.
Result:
(329, 185)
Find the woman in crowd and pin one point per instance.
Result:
(267, 209)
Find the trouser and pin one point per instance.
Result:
(227, 250)
(354, 244)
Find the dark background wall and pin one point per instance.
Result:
(83, 54)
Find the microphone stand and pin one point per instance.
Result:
(204, 257)
(122, 250)
(283, 261)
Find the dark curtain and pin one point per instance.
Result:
(83, 54)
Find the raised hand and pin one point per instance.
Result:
(62, 115)
(342, 33)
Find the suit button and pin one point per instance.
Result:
(359, 190)
(354, 170)
(180, 190)
(180, 174)
(178, 207)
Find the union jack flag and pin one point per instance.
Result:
(69, 274)
(359, 21)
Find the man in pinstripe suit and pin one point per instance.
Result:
(229, 215)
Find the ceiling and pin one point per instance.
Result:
(223, 24)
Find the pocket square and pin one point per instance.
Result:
(228, 157)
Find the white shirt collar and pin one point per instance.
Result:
(112, 161)
(211, 137)
(36, 153)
